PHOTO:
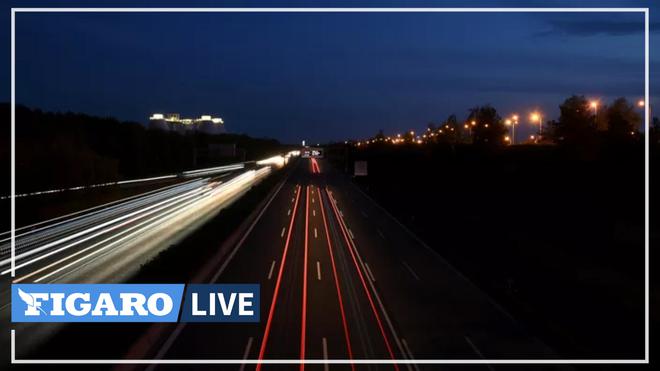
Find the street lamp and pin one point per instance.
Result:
(594, 105)
(642, 105)
(536, 116)
(514, 118)
(469, 129)
(513, 121)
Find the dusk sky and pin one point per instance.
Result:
(327, 76)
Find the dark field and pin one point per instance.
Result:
(555, 236)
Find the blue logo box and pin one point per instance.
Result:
(135, 303)
(95, 302)
(221, 303)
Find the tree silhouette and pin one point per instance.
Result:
(450, 131)
(576, 122)
(489, 128)
(622, 120)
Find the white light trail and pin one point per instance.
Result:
(199, 200)
(163, 205)
(92, 229)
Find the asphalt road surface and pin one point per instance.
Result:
(342, 280)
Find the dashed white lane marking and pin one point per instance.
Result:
(246, 353)
(381, 234)
(316, 235)
(326, 367)
(312, 199)
(318, 270)
(283, 230)
(411, 271)
(288, 212)
(313, 212)
(351, 234)
(371, 275)
(293, 199)
(409, 354)
(270, 272)
(341, 214)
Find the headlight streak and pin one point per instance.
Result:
(67, 218)
(205, 200)
(212, 170)
(275, 160)
(81, 221)
(163, 205)
(159, 217)
(185, 174)
(159, 224)
(194, 202)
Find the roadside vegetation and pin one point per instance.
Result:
(553, 229)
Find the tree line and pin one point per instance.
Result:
(70, 149)
(579, 123)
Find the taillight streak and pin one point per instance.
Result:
(364, 284)
(273, 303)
(336, 278)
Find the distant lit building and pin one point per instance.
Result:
(174, 122)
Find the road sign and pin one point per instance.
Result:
(360, 168)
(312, 152)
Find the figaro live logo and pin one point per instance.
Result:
(135, 303)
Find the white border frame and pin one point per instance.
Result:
(645, 11)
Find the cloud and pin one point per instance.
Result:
(597, 27)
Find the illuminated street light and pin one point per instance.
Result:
(536, 116)
(513, 121)
(474, 123)
(640, 103)
(469, 129)
(594, 105)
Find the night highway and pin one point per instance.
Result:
(108, 243)
(380, 185)
(342, 280)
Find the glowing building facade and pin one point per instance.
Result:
(174, 122)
